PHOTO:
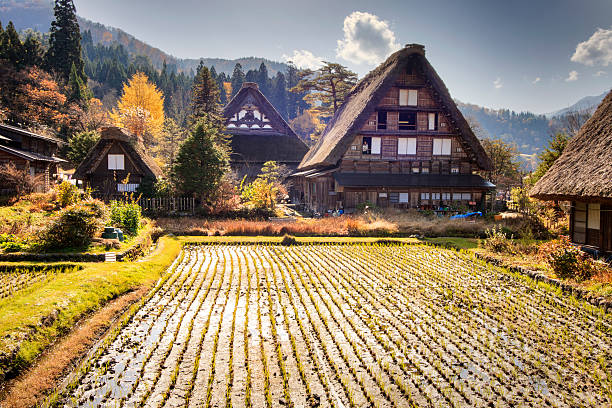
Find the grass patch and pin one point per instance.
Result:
(454, 242)
(36, 316)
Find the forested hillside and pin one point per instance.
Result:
(529, 131)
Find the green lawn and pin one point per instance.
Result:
(71, 295)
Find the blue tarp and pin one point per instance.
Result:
(466, 215)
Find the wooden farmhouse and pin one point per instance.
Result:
(582, 175)
(31, 152)
(259, 133)
(117, 164)
(397, 141)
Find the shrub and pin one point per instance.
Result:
(67, 194)
(126, 216)
(19, 181)
(566, 260)
(288, 240)
(75, 227)
(497, 241)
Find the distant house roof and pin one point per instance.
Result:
(251, 144)
(31, 156)
(135, 150)
(8, 131)
(584, 169)
(368, 93)
(412, 180)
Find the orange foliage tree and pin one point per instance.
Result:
(31, 97)
(140, 109)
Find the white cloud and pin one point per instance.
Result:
(596, 50)
(304, 59)
(600, 73)
(573, 76)
(535, 81)
(367, 39)
(498, 83)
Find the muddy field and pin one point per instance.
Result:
(348, 326)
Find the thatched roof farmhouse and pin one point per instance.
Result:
(583, 176)
(398, 140)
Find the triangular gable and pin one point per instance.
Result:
(249, 99)
(367, 95)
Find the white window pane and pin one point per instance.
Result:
(466, 196)
(403, 97)
(446, 147)
(403, 197)
(411, 148)
(402, 144)
(376, 145)
(432, 121)
(437, 146)
(593, 218)
(111, 162)
(412, 97)
(120, 164)
(456, 196)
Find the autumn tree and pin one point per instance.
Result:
(505, 164)
(307, 126)
(31, 97)
(204, 94)
(326, 88)
(264, 191)
(65, 42)
(200, 162)
(93, 117)
(140, 109)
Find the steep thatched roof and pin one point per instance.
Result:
(367, 94)
(259, 145)
(135, 150)
(584, 170)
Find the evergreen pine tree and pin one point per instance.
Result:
(65, 42)
(2, 42)
(13, 48)
(204, 94)
(32, 51)
(252, 76)
(238, 79)
(77, 90)
(200, 163)
(279, 94)
(263, 81)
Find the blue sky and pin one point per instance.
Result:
(524, 55)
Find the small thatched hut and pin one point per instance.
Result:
(259, 133)
(117, 164)
(583, 176)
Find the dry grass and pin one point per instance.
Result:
(388, 223)
(33, 385)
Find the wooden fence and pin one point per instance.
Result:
(167, 205)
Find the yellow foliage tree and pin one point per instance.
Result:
(140, 109)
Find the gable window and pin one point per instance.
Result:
(407, 121)
(382, 120)
(412, 97)
(116, 162)
(432, 121)
(403, 97)
(406, 145)
(442, 147)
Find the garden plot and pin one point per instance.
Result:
(348, 326)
